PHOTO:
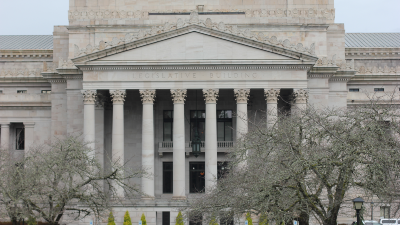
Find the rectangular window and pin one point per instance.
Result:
(22, 91)
(354, 90)
(168, 178)
(166, 218)
(197, 121)
(168, 125)
(46, 91)
(196, 177)
(379, 89)
(224, 125)
(20, 138)
(385, 211)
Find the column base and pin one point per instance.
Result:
(179, 198)
(148, 198)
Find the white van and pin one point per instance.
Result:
(389, 221)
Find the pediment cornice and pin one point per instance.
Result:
(218, 30)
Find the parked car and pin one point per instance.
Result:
(389, 221)
(368, 222)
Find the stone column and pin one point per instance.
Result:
(29, 136)
(178, 97)
(5, 136)
(89, 98)
(271, 96)
(99, 131)
(211, 96)
(242, 95)
(300, 101)
(118, 98)
(148, 97)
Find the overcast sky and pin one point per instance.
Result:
(18, 17)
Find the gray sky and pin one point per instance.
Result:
(19, 17)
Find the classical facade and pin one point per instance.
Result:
(138, 78)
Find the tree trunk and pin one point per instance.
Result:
(304, 218)
(14, 221)
(332, 219)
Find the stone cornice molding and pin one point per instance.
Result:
(147, 95)
(372, 53)
(178, 95)
(89, 96)
(53, 77)
(118, 96)
(218, 30)
(197, 67)
(322, 72)
(242, 95)
(271, 95)
(300, 96)
(29, 53)
(342, 76)
(29, 124)
(211, 95)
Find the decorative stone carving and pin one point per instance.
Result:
(326, 62)
(66, 64)
(118, 96)
(178, 95)
(148, 96)
(194, 19)
(378, 70)
(211, 95)
(300, 96)
(241, 95)
(89, 96)
(271, 95)
(22, 72)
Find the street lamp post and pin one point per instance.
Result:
(358, 202)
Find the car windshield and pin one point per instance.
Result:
(388, 221)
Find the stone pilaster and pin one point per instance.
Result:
(5, 136)
(271, 96)
(148, 97)
(178, 98)
(300, 100)
(211, 145)
(241, 95)
(29, 136)
(89, 99)
(118, 98)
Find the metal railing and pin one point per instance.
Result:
(220, 144)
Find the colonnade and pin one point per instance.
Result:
(178, 97)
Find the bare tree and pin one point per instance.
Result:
(64, 179)
(311, 163)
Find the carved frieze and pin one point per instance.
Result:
(377, 70)
(89, 96)
(241, 95)
(20, 72)
(271, 95)
(118, 96)
(300, 96)
(100, 14)
(66, 64)
(210, 95)
(178, 95)
(148, 96)
(231, 29)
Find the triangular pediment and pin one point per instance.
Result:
(197, 45)
(194, 46)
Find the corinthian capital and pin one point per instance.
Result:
(118, 96)
(211, 95)
(271, 95)
(242, 95)
(300, 96)
(89, 96)
(148, 96)
(178, 95)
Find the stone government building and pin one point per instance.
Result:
(137, 77)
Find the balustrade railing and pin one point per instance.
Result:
(220, 144)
